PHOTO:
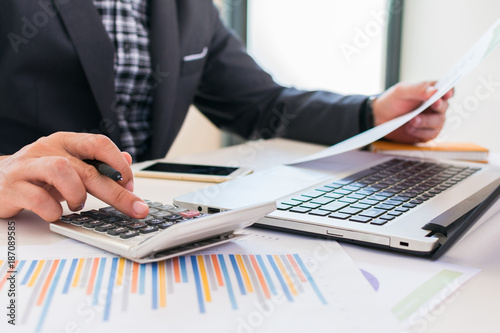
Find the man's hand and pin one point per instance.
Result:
(41, 175)
(403, 98)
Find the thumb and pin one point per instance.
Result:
(421, 91)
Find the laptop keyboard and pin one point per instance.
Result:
(110, 221)
(379, 194)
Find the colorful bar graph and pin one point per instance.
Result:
(237, 277)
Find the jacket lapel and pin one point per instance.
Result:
(96, 53)
(165, 61)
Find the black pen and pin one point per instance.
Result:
(105, 169)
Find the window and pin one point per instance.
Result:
(334, 45)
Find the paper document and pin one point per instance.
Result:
(473, 57)
(415, 289)
(266, 282)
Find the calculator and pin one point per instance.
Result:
(168, 231)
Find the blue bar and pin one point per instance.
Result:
(238, 274)
(30, 271)
(20, 266)
(111, 284)
(70, 276)
(182, 261)
(97, 287)
(310, 279)
(280, 278)
(142, 279)
(266, 274)
(154, 271)
(50, 295)
(197, 280)
(228, 281)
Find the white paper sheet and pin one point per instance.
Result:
(266, 282)
(473, 57)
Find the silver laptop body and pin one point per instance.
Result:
(420, 229)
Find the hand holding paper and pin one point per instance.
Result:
(404, 97)
(473, 57)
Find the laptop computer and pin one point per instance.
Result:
(418, 206)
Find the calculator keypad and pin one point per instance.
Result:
(110, 221)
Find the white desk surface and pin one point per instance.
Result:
(474, 307)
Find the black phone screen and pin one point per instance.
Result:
(191, 169)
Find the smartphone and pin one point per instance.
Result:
(194, 172)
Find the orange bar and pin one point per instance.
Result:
(296, 268)
(244, 272)
(7, 274)
(36, 273)
(177, 271)
(163, 284)
(121, 267)
(78, 272)
(262, 280)
(92, 276)
(220, 280)
(47, 282)
(135, 273)
(204, 278)
(287, 277)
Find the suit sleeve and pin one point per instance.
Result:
(241, 98)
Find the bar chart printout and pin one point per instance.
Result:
(215, 291)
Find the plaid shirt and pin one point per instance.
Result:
(126, 23)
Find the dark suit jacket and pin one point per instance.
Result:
(56, 74)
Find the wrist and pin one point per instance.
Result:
(376, 112)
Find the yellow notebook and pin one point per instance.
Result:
(448, 150)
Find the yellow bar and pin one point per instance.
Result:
(288, 279)
(204, 278)
(163, 284)
(36, 273)
(244, 272)
(78, 272)
(121, 267)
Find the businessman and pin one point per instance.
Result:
(113, 80)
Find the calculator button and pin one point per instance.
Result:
(123, 222)
(129, 234)
(190, 214)
(154, 221)
(137, 226)
(167, 207)
(68, 218)
(177, 210)
(117, 231)
(105, 227)
(173, 217)
(159, 214)
(93, 224)
(165, 225)
(95, 214)
(148, 230)
(79, 220)
(111, 218)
